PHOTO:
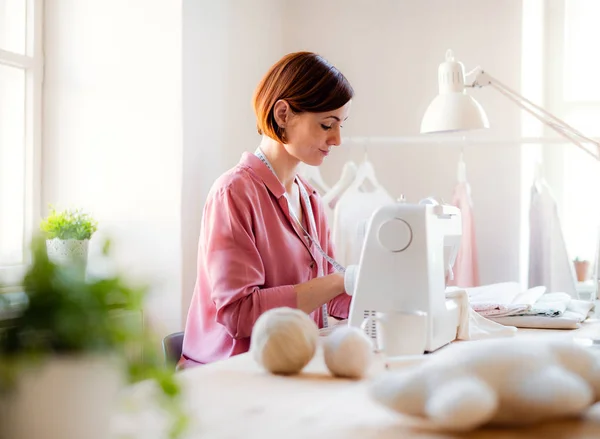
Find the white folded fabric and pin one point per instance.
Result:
(568, 320)
(582, 307)
(500, 311)
(530, 296)
(577, 311)
(472, 325)
(502, 299)
(502, 293)
(550, 305)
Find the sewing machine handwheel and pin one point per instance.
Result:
(395, 235)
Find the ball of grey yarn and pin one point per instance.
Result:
(284, 340)
(348, 352)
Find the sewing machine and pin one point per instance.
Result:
(403, 266)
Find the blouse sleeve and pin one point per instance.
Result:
(234, 266)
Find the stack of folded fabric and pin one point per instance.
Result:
(507, 304)
(552, 313)
(503, 299)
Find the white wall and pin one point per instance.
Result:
(390, 51)
(227, 47)
(112, 132)
(113, 111)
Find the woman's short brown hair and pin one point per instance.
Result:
(307, 82)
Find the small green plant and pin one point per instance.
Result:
(70, 313)
(68, 224)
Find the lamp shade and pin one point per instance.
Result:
(453, 109)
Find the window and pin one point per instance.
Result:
(580, 107)
(573, 94)
(581, 62)
(21, 71)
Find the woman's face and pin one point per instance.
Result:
(310, 136)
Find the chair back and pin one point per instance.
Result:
(172, 347)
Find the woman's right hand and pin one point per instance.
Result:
(318, 291)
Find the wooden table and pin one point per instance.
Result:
(237, 399)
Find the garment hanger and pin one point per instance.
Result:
(538, 176)
(365, 179)
(461, 171)
(348, 175)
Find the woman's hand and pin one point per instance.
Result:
(318, 291)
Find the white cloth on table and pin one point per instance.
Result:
(582, 307)
(550, 305)
(577, 311)
(502, 299)
(472, 325)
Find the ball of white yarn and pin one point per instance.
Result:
(284, 340)
(348, 352)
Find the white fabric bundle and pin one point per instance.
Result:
(503, 382)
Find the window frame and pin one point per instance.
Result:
(33, 64)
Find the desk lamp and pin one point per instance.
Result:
(453, 110)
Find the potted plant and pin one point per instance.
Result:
(68, 233)
(581, 269)
(69, 351)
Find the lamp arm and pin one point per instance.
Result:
(561, 127)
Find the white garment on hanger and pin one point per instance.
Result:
(333, 195)
(549, 262)
(352, 212)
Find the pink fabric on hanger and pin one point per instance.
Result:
(466, 267)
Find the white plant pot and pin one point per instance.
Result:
(65, 251)
(70, 397)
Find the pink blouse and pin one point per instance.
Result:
(250, 255)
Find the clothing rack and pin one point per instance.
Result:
(457, 140)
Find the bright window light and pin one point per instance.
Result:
(21, 70)
(12, 164)
(13, 25)
(582, 63)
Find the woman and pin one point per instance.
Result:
(254, 250)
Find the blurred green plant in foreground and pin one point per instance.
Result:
(70, 313)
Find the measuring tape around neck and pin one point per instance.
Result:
(311, 221)
(338, 267)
